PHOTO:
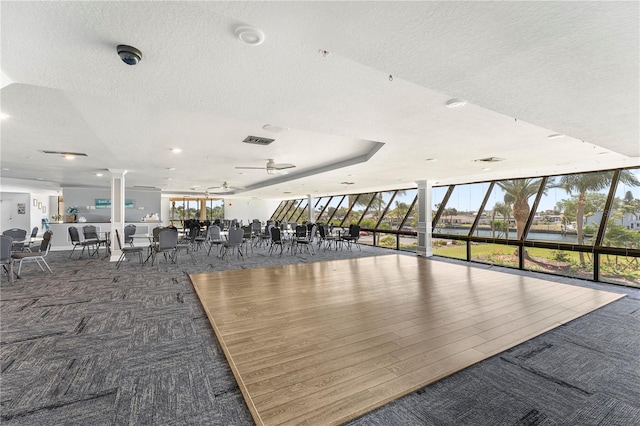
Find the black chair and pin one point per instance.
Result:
(352, 237)
(307, 240)
(129, 231)
(127, 250)
(75, 240)
(37, 257)
(276, 240)
(167, 245)
(91, 234)
(5, 256)
(18, 236)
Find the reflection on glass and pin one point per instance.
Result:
(377, 209)
(449, 248)
(319, 207)
(437, 195)
(357, 203)
(402, 204)
(495, 254)
(293, 211)
(461, 209)
(337, 213)
(623, 224)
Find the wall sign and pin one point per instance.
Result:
(105, 203)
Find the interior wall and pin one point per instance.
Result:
(9, 216)
(247, 209)
(145, 202)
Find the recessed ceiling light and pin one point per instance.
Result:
(99, 174)
(5, 169)
(287, 192)
(489, 160)
(176, 150)
(555, 136)
(486, 168)
(69, 156)
(4, 116)
(431, 159)
(347, 183)
(40, 178)
(167, 178)
(171, 168)
(456, 103)
(249, 35)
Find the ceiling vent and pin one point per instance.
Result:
(256, 140)
(75, 154)
(489, 160)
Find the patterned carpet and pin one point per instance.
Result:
(96, 345)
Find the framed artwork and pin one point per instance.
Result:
(22, 208)
(35, 203)
(39, 205)
(44, 209)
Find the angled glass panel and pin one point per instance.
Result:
(302, 212)
(437, 195)
(508, 208)
(623, 225)
(411, 222)
(337, 213)
(360, 203)
(320, 205)
(462, 208)
(620, 270)
(286, 211)
(399, 208)
(568, 209)
(278, 210)
(293, 211)
(559, 262)
(377, 209)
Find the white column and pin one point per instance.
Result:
(424, 219)
(312, 211)
(117, 210)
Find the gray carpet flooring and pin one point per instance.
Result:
(96, 345)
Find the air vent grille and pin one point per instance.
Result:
(489, 160)
(256, 140)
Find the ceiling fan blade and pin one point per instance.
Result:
(253, 168)
(283, 166)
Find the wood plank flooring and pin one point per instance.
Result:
(322, 343)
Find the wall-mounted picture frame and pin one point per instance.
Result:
(35, 203)
(44, 209)
(22, 208)
(39, 205)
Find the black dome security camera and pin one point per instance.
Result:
(129, 55)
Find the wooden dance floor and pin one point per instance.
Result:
(322, 343)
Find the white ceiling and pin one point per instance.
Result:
(527, 69)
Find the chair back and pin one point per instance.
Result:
(194, 231)
(323, 231)
(354, 231)
(46, 243)
(312, 235)
(90, 232)
(246, 231)
(129, 230)
(156, 233)
(16, 233)
(294, 226)
(214, 232)
(118, 238)
(34, 232)
(255, 227)
(276, 237)
(73, 234)
(236, 236)
(301, 231)
(5, 249)
(167, 239)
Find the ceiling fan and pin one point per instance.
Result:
(272, 167)
(223, 189)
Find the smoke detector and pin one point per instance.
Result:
(129, 55)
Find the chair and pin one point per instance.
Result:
(200, 239)
(214, 238)
(276, 240)
(307, 241)
(352, 237)
(167, 245)
(32, 244)
(189, 244)
(91, 234)
(129, 231)
(5, 256)
(75, 240)
(326, 237)
(37, 257)
(235, 241)
(18, 236)
(127, 249)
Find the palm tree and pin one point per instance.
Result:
(587, 182)
(519, 191)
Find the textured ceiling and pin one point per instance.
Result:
(528, 70)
